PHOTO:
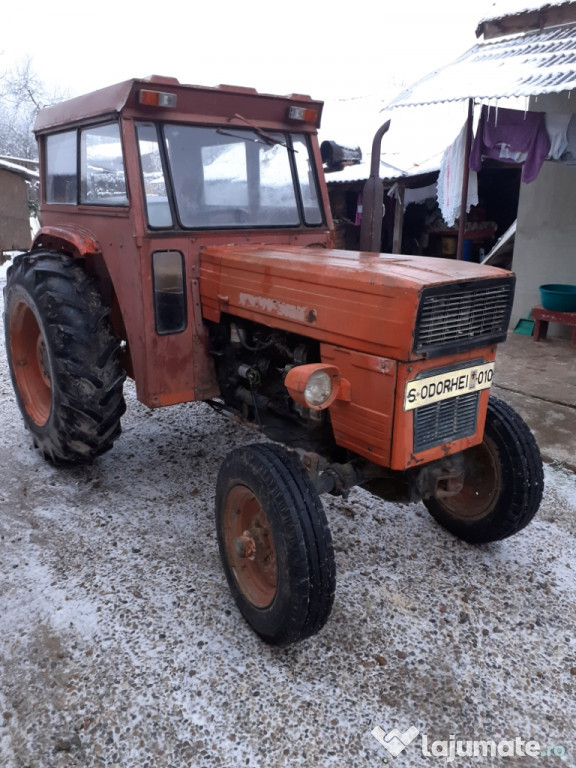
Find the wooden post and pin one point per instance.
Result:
(465, 178)
(398, 220)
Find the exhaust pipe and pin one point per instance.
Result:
(373, 199)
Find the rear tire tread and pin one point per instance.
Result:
(519, 498)
(87, 374)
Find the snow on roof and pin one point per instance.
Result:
(387, 172)
(410, 147)
(500, 8)
(525, 64)
(7, 165)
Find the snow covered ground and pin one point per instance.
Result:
(120, 645)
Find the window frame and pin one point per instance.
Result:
(77, 131)
(297, 183)
(161, 314)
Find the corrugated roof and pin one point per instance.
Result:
(526, 64)
(387, 173)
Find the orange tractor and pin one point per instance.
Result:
(186, 242)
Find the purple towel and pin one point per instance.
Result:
(503, 133)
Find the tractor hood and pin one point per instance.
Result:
(364, 301)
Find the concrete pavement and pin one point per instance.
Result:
(538, 379)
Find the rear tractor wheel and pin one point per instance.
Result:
(503, 481)
(275, 544)
(64, 359)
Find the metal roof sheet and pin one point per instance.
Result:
(388, 174)
(526, 64)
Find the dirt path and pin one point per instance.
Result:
(120, 644)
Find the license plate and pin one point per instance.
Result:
(443, 386)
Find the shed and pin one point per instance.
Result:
(527, 51)
(345, 190)
(410, 172)
(15, 178)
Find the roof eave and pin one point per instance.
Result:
(525, 21)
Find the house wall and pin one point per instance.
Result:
(14, 215)
(544, 250)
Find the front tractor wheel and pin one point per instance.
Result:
(503, 482)
(63, 357)
(275, 544)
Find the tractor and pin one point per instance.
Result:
(187, 243)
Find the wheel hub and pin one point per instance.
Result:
(250, 547)
(245, 546)
(482, 484)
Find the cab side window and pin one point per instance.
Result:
(86, 167)
(102, 176)
(61, 168)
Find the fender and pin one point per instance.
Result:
(73, 239)
(80, 243)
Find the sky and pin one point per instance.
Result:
(354, 56)
(326, 50)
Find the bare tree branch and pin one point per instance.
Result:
(22, 95)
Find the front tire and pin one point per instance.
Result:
(64, 359)
(503, 482)
(275, 543)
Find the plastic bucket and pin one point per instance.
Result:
(468, 252)
(558, 297)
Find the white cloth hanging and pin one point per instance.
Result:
(419, 195)
(557, 127)
(450, 180)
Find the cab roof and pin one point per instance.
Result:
(204, 104)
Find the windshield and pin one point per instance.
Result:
(226, 177)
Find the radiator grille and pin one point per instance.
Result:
(463, 316)
(444, 421)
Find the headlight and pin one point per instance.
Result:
(316, 385)
(318, 389)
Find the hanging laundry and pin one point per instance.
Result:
(557, 126)
(569, 155)
(450, 180)
(503, 133)
(420, 194)
(358, 216)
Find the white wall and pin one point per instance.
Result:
(545, 247)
